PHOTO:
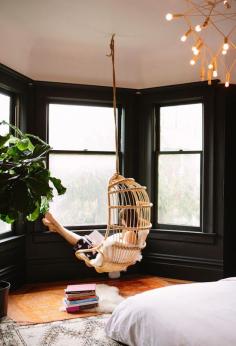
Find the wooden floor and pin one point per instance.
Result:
(37, 303)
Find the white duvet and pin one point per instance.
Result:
(198, 314)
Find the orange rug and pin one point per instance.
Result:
(40, 303)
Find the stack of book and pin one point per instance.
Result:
(80, 297)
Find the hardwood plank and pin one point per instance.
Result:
(38, 303)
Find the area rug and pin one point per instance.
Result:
(46, 306)
(77, 332)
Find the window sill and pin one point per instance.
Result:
(5, 235)
(53, 237)
(182, 236)
(9, 243)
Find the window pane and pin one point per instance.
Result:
(86, 178)
(179, 190)
(4, 115)
(4, 112)
(181, 127)
(4, 227)
(73, 127)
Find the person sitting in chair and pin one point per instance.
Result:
(128, 218)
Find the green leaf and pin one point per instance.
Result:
(6, 218)
(44, 207)
(20, 198)
(40, 150)
(33, 216)
(13, 152)
(13, 139)
(38, 186)
(58, 185)
(25, 144)
(4, 139)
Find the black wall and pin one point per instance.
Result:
(188, 255)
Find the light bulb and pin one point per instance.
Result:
(215, 74)
(198, 28)
(197, 46)
(225, 46)
(227, 79)
(196, 51)
(169, 17)
(224, 52)
(185, 36)
(192, 62)
(210, 66)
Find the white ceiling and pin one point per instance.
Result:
(67, 41)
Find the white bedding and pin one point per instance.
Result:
(198, 314)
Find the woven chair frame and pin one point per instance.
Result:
(129, 213)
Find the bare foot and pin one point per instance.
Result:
(51, 223)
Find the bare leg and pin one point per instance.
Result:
(55, 226)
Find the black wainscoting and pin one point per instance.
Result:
(12, 260)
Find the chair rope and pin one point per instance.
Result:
(112, 55)
(129, 213)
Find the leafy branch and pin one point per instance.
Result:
(26, 185)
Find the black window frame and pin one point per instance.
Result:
(14, 120)
(86, 152)
(206, 195)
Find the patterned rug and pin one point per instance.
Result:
(77, 332)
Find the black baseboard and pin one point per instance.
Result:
(182, 267)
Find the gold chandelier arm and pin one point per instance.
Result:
(207, 15)
(231, 31)
(112, 55)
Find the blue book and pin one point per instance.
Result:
(81, 301)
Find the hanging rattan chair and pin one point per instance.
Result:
(128, 225)
(129, 211)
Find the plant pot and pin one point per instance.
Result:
(4, 290)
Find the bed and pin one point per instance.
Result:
(197, 314)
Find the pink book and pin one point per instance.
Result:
(80, 288)
(72, 309)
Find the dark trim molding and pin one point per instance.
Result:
(185, 267)
(183, 236)
(176, 87)
(69, 86)
(15, 74)
(10, 242)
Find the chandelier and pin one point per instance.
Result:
(210, 26)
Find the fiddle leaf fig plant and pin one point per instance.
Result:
(26, 185)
